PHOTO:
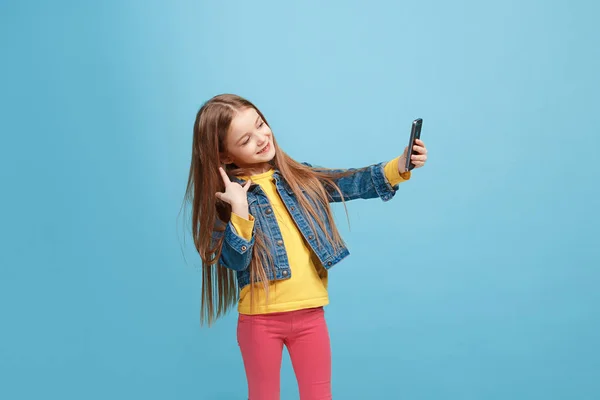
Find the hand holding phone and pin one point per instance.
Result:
(415, 133)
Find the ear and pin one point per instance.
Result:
(225, 159)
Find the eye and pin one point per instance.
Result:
(261, 124)
(245, 142)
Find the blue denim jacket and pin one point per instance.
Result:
(236, 252)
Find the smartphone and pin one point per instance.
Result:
(415, 133)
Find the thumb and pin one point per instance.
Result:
(219, 195)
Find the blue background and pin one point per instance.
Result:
(478, 281)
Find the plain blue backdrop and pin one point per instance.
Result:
(478, 281)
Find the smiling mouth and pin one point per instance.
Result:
(267, 147)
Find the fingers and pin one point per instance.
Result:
(419, 152)
(219, 195)
(247, 185)
(419, 149)
(416, 157)
(224, 176)
(419, 156)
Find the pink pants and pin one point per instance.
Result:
(304, 332)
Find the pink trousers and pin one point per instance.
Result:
(304, 333)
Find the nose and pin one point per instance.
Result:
(262, 139)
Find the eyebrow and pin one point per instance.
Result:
(247, 133)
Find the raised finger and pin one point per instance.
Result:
(224, 176)
(247, 185)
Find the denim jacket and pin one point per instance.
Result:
(236, 252)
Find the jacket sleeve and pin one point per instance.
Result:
(236, 252)
(377, 180)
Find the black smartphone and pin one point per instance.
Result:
(415, 133)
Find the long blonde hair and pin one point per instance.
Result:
(219, 284)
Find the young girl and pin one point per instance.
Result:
(263, 225)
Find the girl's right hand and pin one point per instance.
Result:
(235, 194)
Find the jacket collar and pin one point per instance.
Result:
(253, 186)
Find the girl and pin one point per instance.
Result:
(263, 226)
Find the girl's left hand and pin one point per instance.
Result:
(418, 157)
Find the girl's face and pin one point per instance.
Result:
(249, 142)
